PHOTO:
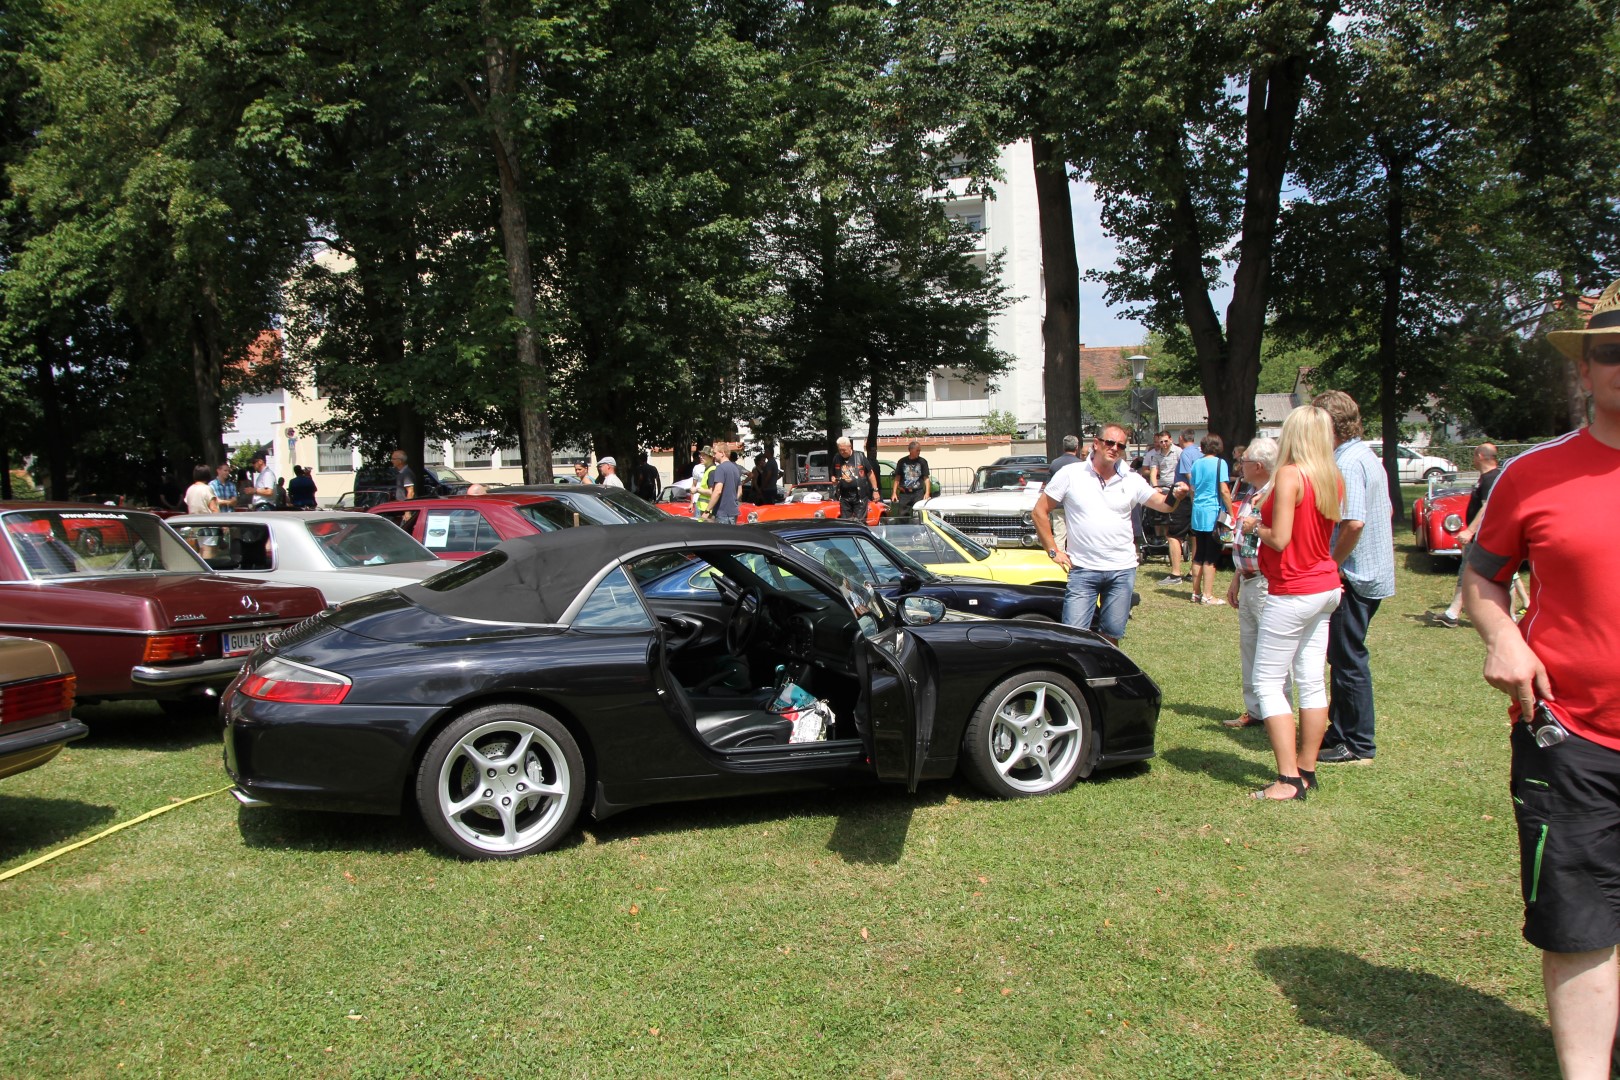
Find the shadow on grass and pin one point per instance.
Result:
(316, 830)
(31, 825)
(1220, 765)
(1207, 712)
(141, 725)
(872, 821)
(1423, 1025)
(1420, 562)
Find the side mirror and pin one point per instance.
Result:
(909, 583)
(921, 611)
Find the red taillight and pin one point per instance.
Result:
(278, 680)
(163, 647)
(41, 697)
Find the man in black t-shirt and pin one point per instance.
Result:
(910, 480)
(849, 476)
(644, 478)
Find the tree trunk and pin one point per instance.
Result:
(5, 460)
(534, 381)
(207, 373)
(56, 457)
(872, 421)
(1060, 324)
(1389, 329)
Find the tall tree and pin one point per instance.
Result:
(145, 181)
(1183, 115)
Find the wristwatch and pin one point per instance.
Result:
(1051, 553)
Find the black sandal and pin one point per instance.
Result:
(1309, 778)
(1294, 782)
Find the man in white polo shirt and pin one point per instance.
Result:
(1097, 496)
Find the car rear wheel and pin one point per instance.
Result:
(1434, 474)
(500, 782)
(90, 543)
(1031, 735)
(1032, 616)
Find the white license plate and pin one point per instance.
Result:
(245, 641)
(991, 540)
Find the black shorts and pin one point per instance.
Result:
(1567, 802)
(1207, 549)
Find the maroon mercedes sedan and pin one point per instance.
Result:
(137, 611)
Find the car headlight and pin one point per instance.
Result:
(753, 516)
(1452, 523)
(819, 514)
(1030, 540)
(1028, 518)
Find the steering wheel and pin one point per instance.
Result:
(745, 619)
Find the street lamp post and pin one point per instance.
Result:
(1145, 400)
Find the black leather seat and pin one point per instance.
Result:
(750, 727)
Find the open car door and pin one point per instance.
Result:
(898, 703)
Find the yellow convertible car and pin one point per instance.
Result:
(944, 549)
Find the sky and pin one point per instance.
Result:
(1100, 325)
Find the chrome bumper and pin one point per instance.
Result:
(245, 799)
(200, 671)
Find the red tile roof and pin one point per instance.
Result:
(1106, 364)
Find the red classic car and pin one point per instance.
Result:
(1438, 515)
(142, 616)
(676, 501)
(814, 499)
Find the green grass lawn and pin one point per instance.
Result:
(1152, 922)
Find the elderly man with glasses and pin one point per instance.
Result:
(1097, 495)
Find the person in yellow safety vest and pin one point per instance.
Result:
(702, 480)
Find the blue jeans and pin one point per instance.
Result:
(1086, 587)
(1351, 709)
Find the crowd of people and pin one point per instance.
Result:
(1308, 521)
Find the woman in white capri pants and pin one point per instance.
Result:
(1297, 516)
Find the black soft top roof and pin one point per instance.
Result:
(543, 573)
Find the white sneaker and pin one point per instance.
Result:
(1172, 579)
(1215, 600)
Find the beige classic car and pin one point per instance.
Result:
(36, 704)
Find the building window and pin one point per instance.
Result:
(468, 453)
(953, 386)
(917, 395)
(510, 455)
(433, 452)
(333, 453)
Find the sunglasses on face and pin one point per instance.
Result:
(1604, 354)
(1111, 444)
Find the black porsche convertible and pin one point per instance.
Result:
(498, 696)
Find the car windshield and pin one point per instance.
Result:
(59, 544)
(958, 537)
(447, 475)
(610, 506)
(1009, 478)
(347, 542)
(806, 493)
(549, 515)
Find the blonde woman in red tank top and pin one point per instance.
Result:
(1296, 556)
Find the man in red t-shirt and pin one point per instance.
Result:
(1556, 506)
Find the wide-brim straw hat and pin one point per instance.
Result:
(1605, 319)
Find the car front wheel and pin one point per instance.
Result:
(1031, 735)
(1434, 474)
(500, 782)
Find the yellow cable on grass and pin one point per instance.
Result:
(43, 859)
